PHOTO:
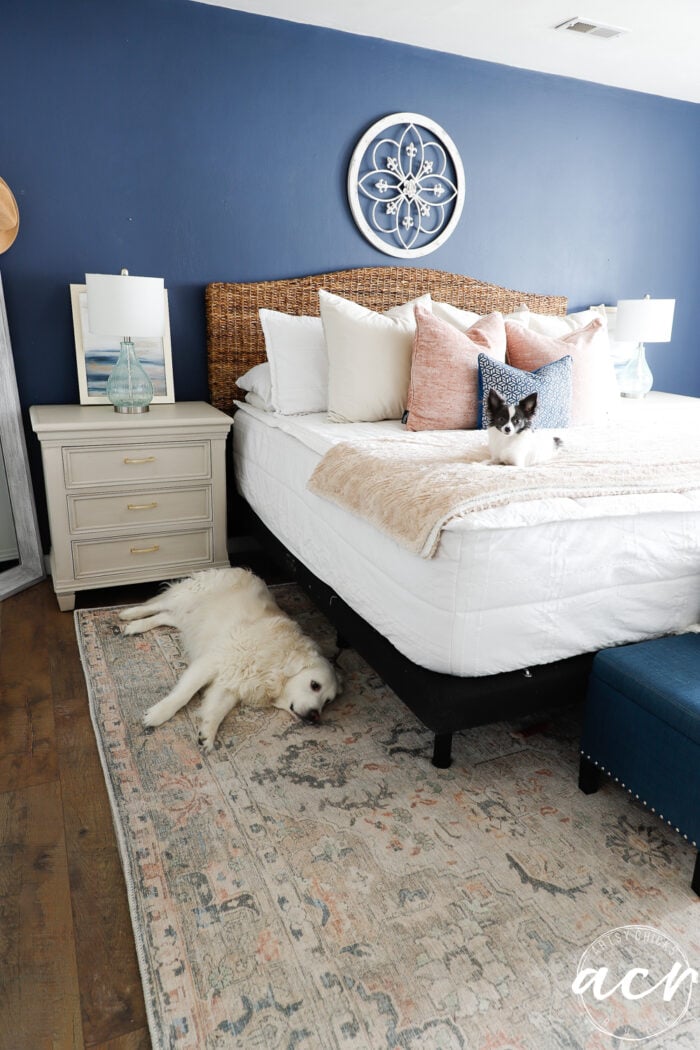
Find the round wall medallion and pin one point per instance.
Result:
(406, 185)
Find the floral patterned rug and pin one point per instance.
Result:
(326, 887)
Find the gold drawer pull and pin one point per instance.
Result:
(142, 506)
(144, 459)
(145, 550)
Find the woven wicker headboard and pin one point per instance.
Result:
(235, 340)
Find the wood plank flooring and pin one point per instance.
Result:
(69, 978)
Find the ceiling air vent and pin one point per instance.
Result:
(587, 27)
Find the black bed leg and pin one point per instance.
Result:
(442, 750)
(695, 884)
(588, 776)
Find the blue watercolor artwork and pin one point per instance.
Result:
(99, 364)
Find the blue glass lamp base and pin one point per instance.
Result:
(129, 387)
(635, 379)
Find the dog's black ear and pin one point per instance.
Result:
(528, 405)
(494, 401)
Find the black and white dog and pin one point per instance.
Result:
(511, 438)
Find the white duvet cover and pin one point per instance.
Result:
(508, 588)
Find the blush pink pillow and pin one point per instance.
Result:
(443, 393)
(593, 387)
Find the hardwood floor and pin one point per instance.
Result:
(70, 978)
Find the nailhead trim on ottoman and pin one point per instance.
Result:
(642, 729)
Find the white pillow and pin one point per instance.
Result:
(555, 327)
(257, 402)
(296, 350)
(464, 319)
(620, 351)
(459, 319)
(369, 358)
(607, 313)
(258, 384)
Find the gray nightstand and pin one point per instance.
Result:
(132, 498)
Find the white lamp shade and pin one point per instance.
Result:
(644, 320)
(120, 305)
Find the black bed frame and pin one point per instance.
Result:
(444, 703)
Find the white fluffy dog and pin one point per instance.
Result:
(240, 646)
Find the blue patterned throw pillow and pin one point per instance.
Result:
(552, 383)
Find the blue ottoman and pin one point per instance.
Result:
(642, 728)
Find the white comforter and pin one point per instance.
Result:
(508, 587)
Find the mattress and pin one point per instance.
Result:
(508, 588)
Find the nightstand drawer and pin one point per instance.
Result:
(131, 464)
(139, 508)
(142, 554)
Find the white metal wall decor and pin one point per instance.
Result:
(406, 185)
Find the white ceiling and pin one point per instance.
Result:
(660, 55)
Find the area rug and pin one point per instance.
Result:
(319, 888)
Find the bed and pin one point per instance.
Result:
(501, 617)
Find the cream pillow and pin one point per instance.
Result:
(296, 351)
(369, 358)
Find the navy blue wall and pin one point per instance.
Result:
(202, 144)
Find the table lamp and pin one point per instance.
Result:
(118, 303)
(642, 321)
